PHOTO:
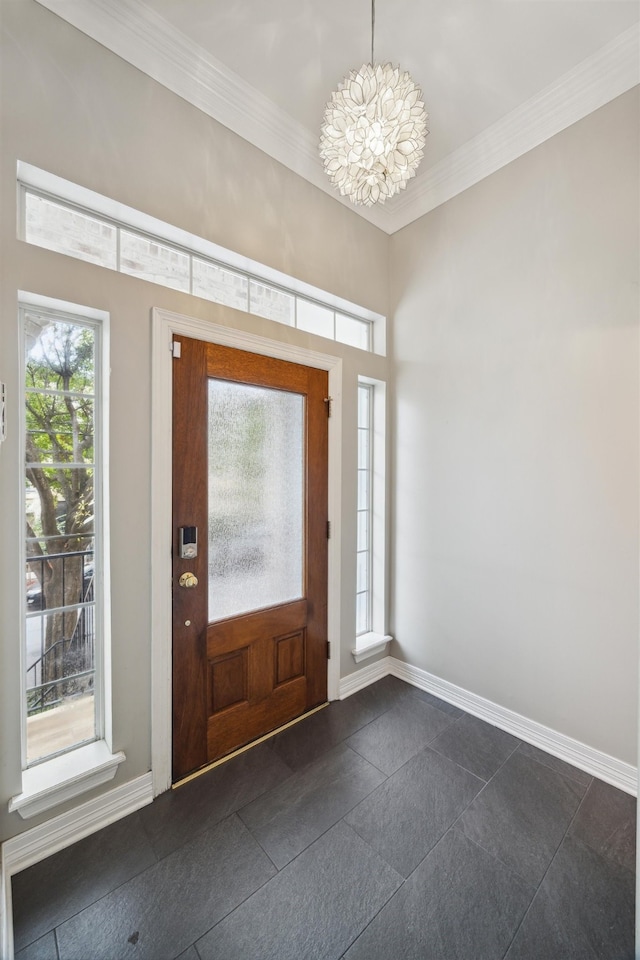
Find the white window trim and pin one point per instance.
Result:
(165, 325)
(63, 777)
(374, 642)
(370, 644)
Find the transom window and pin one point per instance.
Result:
(70, 219)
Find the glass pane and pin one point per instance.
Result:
(363, 449)
(60, 648)
(363, 530)
(363, 490)
(362, 613)
(256, 497)
(60, 228)
(59, 356)
(60, 681)
(154, 261)
(60, 428)
(364, 395)
(269, 302)
(58, 573)
(59, 536)
(68, 724)
(353, 332)
(362, 580)
(222, 286)
(314, 319)
(60, 507)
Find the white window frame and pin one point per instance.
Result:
(367, 508)
(376, 639)
(59, 778)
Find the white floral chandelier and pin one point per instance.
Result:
(373, 132)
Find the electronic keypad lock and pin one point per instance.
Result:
(188, 543)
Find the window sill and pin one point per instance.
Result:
(62, 778)
(368, 645)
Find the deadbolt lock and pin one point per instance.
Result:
(188, 580)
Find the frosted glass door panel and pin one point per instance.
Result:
(256, 497)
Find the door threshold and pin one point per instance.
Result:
(247, 746)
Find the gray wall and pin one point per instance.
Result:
(71, 107)
(516, 473)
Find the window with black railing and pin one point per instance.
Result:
(65, 667)
(62, 424)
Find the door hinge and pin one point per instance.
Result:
(328, 649)
(3, 413)
(328, 529)
(329, 403)
(176, 348)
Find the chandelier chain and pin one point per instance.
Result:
(373, 27)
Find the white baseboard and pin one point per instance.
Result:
(40, 842)
(364, 677)
(595, 762)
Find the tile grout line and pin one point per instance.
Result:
(54, 929)
(480, 792)
(331, 826)
(342, 819)
(242, 902)
(280, 870)
(555, 853)
(497, 859)
(135, 876)
(236, 811)
(600, 853)
(245, 749)
(553, 768)
(390, 897)
(453, 721)
(535, 887)
(149, 837)
(266, 853)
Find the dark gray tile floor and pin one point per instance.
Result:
(388, 826)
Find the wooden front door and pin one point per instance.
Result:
(250, 527)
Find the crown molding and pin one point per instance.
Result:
(610, 72)
(138, 35)
(147, 41)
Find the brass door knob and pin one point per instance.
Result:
(188, 580)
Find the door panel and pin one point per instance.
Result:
(250, 471)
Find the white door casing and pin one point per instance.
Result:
(164, 326)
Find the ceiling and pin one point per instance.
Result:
(498, 76)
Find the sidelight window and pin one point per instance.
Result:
(371, 636)
(63, 503)
(364, 549)
(66, 679)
